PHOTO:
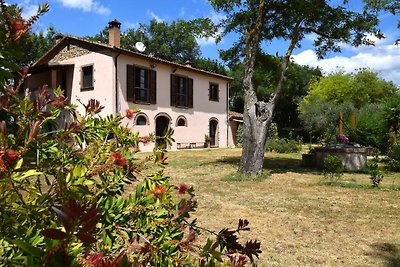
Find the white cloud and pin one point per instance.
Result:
(383, 59)
(203, 41)
(29, 10)
(86, 5)
(216, 17)
(182, 12)
(154, 16)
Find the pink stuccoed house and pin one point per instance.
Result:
(191, 101)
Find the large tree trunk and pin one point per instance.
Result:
(258, 114)
(256, 118)
(254, 137)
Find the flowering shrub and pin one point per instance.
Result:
(342, 139)
(77, 196)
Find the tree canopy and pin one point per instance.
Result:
(361, 88)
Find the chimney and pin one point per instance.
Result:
(188, 63)
(114, 33)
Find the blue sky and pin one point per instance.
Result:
(88, 17)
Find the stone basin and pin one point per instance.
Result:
(353, 157)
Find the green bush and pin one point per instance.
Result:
(283, 145)
(371, 129)
(272, 132)
(320, 117)
(394, 151)
(333, 170)
(376, 175)
(239, 135)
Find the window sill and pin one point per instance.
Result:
(182, 107)
(87, 88)
(140, 102)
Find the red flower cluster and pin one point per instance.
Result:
(12, 155)
(118, 159)
(18, 28)
(183, 188)
(98, 260)
(8, 158)
(130, 114)
(159, 190)
(59, 101)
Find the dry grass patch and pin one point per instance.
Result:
(299, 221)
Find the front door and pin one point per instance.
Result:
(213, 133)
(162, 125)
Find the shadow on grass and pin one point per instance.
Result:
(276, 165)
(390, 253)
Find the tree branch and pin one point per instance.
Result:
(285, 63)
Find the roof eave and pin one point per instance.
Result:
(67, 39)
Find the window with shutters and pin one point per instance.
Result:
(181, 94)
(141, 85)
(213, 92)
(87, 78)
(181, 91)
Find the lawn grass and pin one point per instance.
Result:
(299, 220)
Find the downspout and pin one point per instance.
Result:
(227, 115)
(117, 105)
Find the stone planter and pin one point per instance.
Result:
(353, 158)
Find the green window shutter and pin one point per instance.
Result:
(189, 87)
(153, 86)
(174, 87)
(130, 82)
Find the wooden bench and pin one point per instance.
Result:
(190, 145)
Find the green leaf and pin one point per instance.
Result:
(139, 190)
(27, 174)
(88, 182)
(217, 255)
(79, 171)
(26, 247)
(19, 164)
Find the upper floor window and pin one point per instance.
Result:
(141, 85)
(87, 78)
(213, 92)
(181, 91)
